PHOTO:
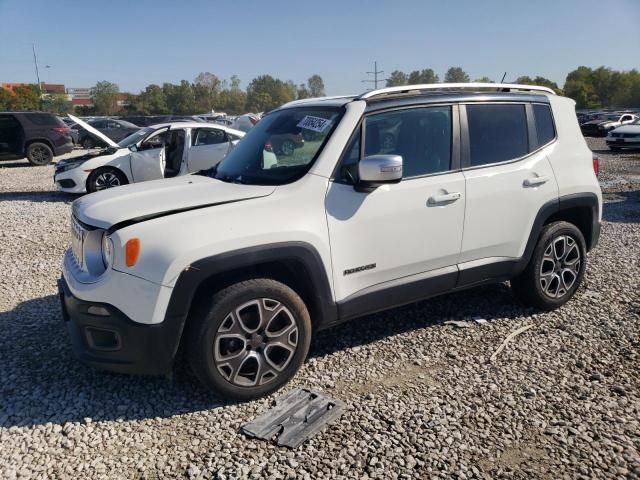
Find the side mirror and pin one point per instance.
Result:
(376, 170)
(133, 148)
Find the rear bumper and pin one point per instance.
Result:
(62, 149)
(104, 337)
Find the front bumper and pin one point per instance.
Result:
(623, 142)
(64, 148)
(72, 181)
(104, 337)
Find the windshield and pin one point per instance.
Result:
(135, 137)
(280, 148)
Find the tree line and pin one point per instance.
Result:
(591, 89)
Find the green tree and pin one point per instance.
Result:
(57, 103)
(265, 93)
(232, 99)
(180, 98)
(5, 99)
(540, 81)
(397, 78)
(206, 89)
(426, 75)
(456, 75)
(484, 80)
(303, 92)
(105, 97)
(152, 101)
(25, 98)
(316, 86)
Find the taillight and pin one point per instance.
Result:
(596, 164)
(63, 130)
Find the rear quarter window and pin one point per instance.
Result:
(44, 120)
(544, 124)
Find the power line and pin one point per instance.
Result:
(375, 76)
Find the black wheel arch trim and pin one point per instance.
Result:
(199, 272)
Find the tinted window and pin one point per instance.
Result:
(43, 119)
(98, 124)
(497, 133)
(422, 136)
(544, 124)
(208, 136)
(348, 168)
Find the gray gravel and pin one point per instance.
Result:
(561, 401)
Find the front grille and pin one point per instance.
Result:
(66, 183)
(631, 135)
(78, 234)
(616, 135)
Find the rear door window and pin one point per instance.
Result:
(497, 133)
(544, 124)
(208, 136)
(43, 119)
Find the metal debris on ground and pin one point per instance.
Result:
(458, 323)
(296, 416)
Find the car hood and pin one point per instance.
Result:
(134, 203)
(627, 129)
(95, 132)
(88, 156)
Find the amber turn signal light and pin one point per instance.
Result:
(132, 249)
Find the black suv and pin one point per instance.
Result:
(36, 135)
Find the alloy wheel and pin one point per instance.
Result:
(255, 342)
(39, 154)
(107, 180)
(560, 266)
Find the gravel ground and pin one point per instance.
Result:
(423, 399)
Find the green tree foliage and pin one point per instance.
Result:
(206, 89)
(603, 87)
(540, 81)
(397, 78)
(423, 76)
(484, 80)
(57, 103)
(180, 98)
(265, 93)
(315, 85)
(152, 101)
(24, 98)
(105, 97)
(456, 75)
(303, 92)
(232, 99)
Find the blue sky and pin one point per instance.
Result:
(137, 42)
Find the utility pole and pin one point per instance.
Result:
(375, 76)
(35, 61)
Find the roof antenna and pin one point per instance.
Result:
(502, 81)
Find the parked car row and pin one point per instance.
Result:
(602, 125)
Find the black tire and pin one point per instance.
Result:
(536, 285)
(103, 178)
(207, 347)
(39, 154)
(88, 143)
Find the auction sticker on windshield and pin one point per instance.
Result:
(317, 124)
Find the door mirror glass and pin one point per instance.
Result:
(376, 170)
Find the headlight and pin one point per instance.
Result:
(66, 166)
(107, 250)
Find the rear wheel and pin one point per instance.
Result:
(249, 339)
(39, 154)
(556, 268)
(104, 178)
(88, 143)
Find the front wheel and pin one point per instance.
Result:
(249, 339)
(103, 178)
(556, 268)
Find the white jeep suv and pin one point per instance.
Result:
(397, 195)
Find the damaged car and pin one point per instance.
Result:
(151, 153)
(601, 126)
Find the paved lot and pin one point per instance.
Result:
(562, 401)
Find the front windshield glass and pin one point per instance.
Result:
(281, 147)
(134, 137)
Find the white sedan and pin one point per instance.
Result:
(160, 151)
(627, 136)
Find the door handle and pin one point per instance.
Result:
(444, 198)
(535, 181)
